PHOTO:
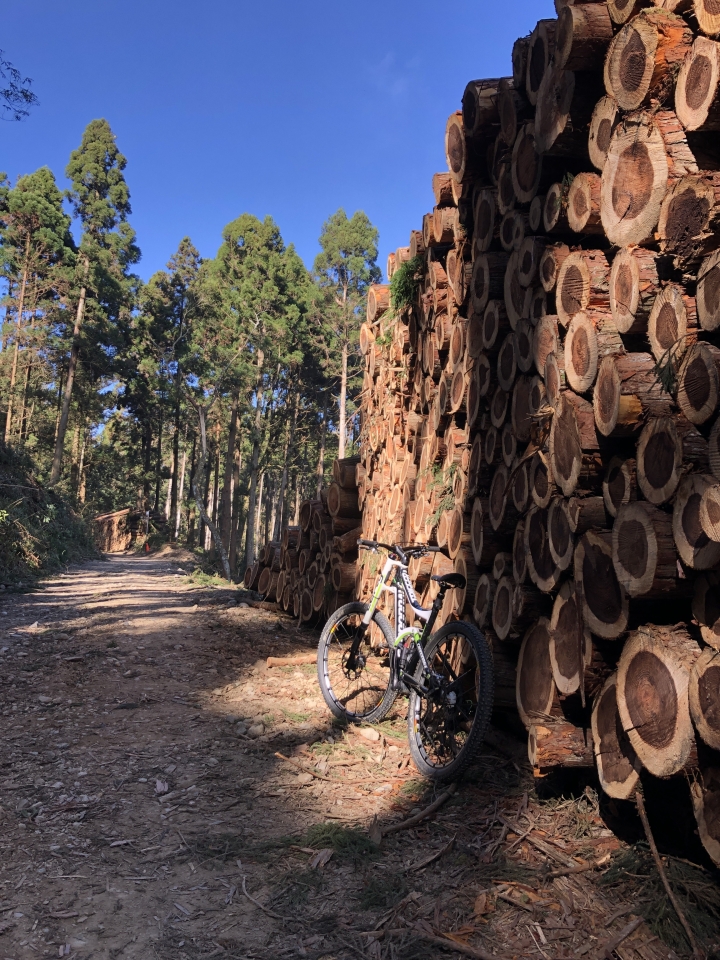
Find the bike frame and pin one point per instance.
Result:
(394, 579)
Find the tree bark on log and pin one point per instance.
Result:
(627, 392)
(582, 36)
(513, 108)
(480, 107)
(708, 293)
(652, 696)
(559, 744)
(564, 111)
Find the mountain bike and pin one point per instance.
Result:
(363, 664)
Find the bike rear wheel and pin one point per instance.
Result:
(363, 693)
(446, 726)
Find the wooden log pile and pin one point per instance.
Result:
(312, 570)
(541, 389)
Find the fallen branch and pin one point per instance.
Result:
(419, 817)
(446, 942)
(612, 943)
(275, 916)
(300, 659)
(580, 868)
(301, 766)
(541, 845)
(661, 870)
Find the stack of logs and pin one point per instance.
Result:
(312, 571)
(545, 406)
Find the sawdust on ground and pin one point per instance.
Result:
(144, 812)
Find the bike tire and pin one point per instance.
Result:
(450, 762)
(372, 697)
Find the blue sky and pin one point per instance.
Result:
(286, 108)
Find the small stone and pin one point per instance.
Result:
(369, 734)
(304, 778)
(256, 730)
(212, 761)
(241, 728)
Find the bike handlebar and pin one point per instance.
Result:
(418, 550)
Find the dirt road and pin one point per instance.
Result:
(144, 811)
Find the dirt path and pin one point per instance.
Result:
(140, 790)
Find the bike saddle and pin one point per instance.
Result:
(450, 580)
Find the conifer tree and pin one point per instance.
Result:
(345, 268)
(103, 285)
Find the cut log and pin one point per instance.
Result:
(696, 549)
(488, 279)
(495, 327)
(568, 644)
(652, 696)
(561, 541)
(506, 363)
(378, 301)
(696, 91)
(521, 422)
(483, 540)
(543, 570)
(590, 337)
(583, 33)
(645, 157)
(564, 446)
(619, 484)
(541, 482)
(463, 155)
(536, 692)
(530, 253)
(344, 472)
(643, 551)
(519, 487)
(502, 609)
(699, 382)
(482, 605)
(501, 511)
(582, 284)
(605, 604)
(710, 512)
(526, 167)
(559, 744)
(535, 214)
(708, 16)
(659, 460)
(705, 790)
(602, 126)
(617, 763)
(633, 289)
(519, 557)
(644, 57)
(552, 260)
(484, 221)
(342, 503)
(706, 607)
(690, 220)
(704, 696)
(583, 207)
(513, 291)
(564, 110)
(627, 392)
(672, 324)
(540, 52)
(506, 198)
(519, 62)
(708, 293)
(555, 213)
(513, 108)
(480, 107)
(714, 449)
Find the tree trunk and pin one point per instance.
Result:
(158, 463)
(176, 517)
(174, 498)
(198, 493)
(320, 471)
(226, 500)
(16, 350)
(67, 395)
(342, 401)
(254, 466)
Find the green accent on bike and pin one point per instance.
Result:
(408, 632)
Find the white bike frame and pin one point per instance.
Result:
(402, 631)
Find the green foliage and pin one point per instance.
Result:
(39, 531)
(346, 842)
(633, 874)
(383, 891)
(405, 283)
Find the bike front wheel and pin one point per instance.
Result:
(447, 723)
(360, 691)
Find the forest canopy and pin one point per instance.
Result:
(214, 395)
